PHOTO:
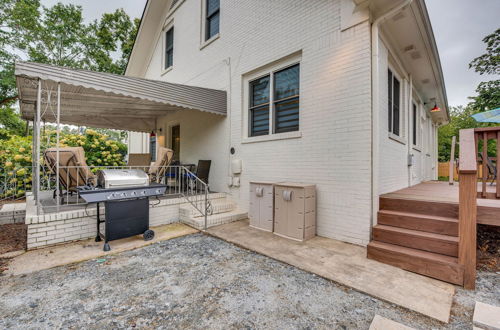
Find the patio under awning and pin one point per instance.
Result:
(105, 100)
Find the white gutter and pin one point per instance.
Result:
(375, 105)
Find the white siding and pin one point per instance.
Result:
(394, 172)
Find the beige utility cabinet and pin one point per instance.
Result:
(261, 207)
(295, 210)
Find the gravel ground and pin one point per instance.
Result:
(201, 282)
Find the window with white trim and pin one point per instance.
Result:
(394, 103)
(274, 102)
(169, 48)
(212, 17)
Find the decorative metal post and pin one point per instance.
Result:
(58, 119)
(37, 146)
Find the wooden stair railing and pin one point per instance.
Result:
(467, 214)
(485, 134)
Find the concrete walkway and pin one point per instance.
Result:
(347, 264)
(69, 253)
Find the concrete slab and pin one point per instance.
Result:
(381, 323)
(59, 255)
(347, 264)
(486, 316)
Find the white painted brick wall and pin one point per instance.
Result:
(62, 227)
(334, 149)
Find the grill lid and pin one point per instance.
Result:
(122, 178)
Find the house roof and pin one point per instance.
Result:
(107, 100)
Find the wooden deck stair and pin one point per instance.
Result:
(418, 236)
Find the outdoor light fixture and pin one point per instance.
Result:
(436, 108)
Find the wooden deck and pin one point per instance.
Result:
(443, 195)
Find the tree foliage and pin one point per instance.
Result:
(58, 35)
(487, 98)
(489, 62)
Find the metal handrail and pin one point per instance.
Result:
(180, 180)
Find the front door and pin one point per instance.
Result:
(175, 141)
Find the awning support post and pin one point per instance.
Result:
(37, 146)
(58, 119)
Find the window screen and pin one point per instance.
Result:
(212, 14)
(259, 106)
(286, 100)
(394, 96)
(169, 48)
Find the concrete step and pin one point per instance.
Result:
(217, 206)
(214, 219)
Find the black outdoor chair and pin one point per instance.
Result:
(202, 172)
(492, 168)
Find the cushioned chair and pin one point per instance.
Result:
(158, 169)
(73, 169)
(139, 161)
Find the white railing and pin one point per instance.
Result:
(180, 181)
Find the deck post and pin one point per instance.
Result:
(452, 161)
(467, 210)
(467, 228)
(485, 164)
(498, 162)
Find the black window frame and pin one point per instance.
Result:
(169, 49)
(289, 114)
(414, 124)
(210, 17)
(394, 103)
(260, 108)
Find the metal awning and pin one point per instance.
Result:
(105, 100)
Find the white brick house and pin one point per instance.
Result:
(321, 72)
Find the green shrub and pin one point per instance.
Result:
(16, 153)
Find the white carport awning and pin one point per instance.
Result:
(107, 100)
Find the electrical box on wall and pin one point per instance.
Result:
(411, 160)
(236, 166)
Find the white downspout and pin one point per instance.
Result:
(375, 106)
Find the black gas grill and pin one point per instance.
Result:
(125, 194)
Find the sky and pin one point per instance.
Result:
(459, 27)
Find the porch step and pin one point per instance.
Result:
(440, 209)
(218, 206)
(429, 223)
(430, 264)
(214, 219)
(416, 239)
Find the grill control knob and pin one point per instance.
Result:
(133, 193)
(143, 192)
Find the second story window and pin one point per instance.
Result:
(212, 18)
(169, 48)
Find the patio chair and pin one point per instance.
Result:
(139, 161)
(158, 169)
(492, 168)
(202, 172)
(73, 169)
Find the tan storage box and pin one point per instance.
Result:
(295, 210)
(261, 207)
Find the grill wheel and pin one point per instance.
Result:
(148, 235)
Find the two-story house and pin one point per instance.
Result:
(344, 94)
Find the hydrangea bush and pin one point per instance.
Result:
(16, 153)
